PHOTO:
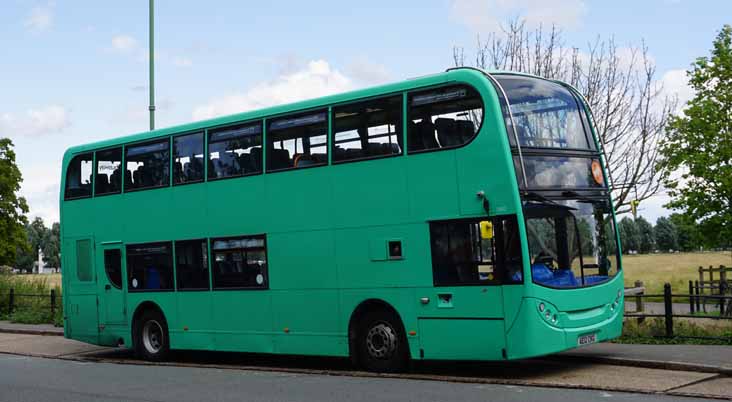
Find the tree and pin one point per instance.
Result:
(688, 234)
(620, 85)
(646, 239)
(697, 152)
(629, 238)
(666, 236)
(51, 246)
(12, 207)
(36, 235)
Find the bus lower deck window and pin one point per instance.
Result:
(461, 256)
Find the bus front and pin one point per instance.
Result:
(572, 271)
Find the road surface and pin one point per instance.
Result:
(24, 378)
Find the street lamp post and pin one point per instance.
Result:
(151, 108)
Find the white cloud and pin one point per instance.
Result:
(35, 122)
(364, 70)
(124, 43)
(316, 79)
(40, 18)
(488, 15)
(40, 187)
(676, 83)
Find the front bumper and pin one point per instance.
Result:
(531, 334)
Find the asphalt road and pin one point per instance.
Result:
(36, 379)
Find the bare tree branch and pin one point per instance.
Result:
(620, 85)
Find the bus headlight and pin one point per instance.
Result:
(548, 312)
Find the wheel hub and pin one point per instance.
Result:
(381, 341)
(152, 336)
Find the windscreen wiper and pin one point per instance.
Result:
(536, 196)
(581, 198)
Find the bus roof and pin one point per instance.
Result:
(432, 79)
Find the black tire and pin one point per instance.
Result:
(381, 344)
(150, 336)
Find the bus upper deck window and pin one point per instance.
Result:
(367, 129)
(148, 165)
(443, 118)
(79, 177)
(188, 158)
(297, 141)
(109, 172)
(235, 151)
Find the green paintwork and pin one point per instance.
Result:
(327, 229)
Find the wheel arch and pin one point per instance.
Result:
(367, 306)
(144, 306)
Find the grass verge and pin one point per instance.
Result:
(31, 301)
(686, 331)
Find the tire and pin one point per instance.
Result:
(150, 336)
(381, 344)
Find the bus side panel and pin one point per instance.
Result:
(363, 260)
(194, 321)
(306, 322)
(304, 293)
(432, 191)
(371, 192)
(81, 315)
(470, 339)
(461, 322)
(242, 320)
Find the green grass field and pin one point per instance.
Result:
(677, 269)
(53, 280)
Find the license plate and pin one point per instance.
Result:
(587, 339)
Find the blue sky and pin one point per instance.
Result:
(76, 71)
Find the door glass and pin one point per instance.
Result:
(113, 267)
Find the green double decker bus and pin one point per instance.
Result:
(461, 215)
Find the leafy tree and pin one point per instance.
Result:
(688, 234)
(51, 246)
(699, 143)
(12, 207)
(629, 237)
(647, 240)
(666, 236)
(36, 235)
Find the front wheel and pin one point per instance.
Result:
(151, 337)
(381, 343)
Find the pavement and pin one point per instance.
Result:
(34, 329)
(700, 358)
(688, 370)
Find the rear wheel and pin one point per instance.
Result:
(381, 343)
(151, 336)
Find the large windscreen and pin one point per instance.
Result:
(546, 114)
(572, 243)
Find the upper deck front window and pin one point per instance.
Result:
(546, 114)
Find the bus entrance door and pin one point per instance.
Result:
(112, 307)
(80, 290)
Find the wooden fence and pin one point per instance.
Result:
(667, 311)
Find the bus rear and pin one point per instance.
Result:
(573, 285)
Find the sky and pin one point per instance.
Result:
(76, 71)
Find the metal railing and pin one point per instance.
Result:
(12, 302)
